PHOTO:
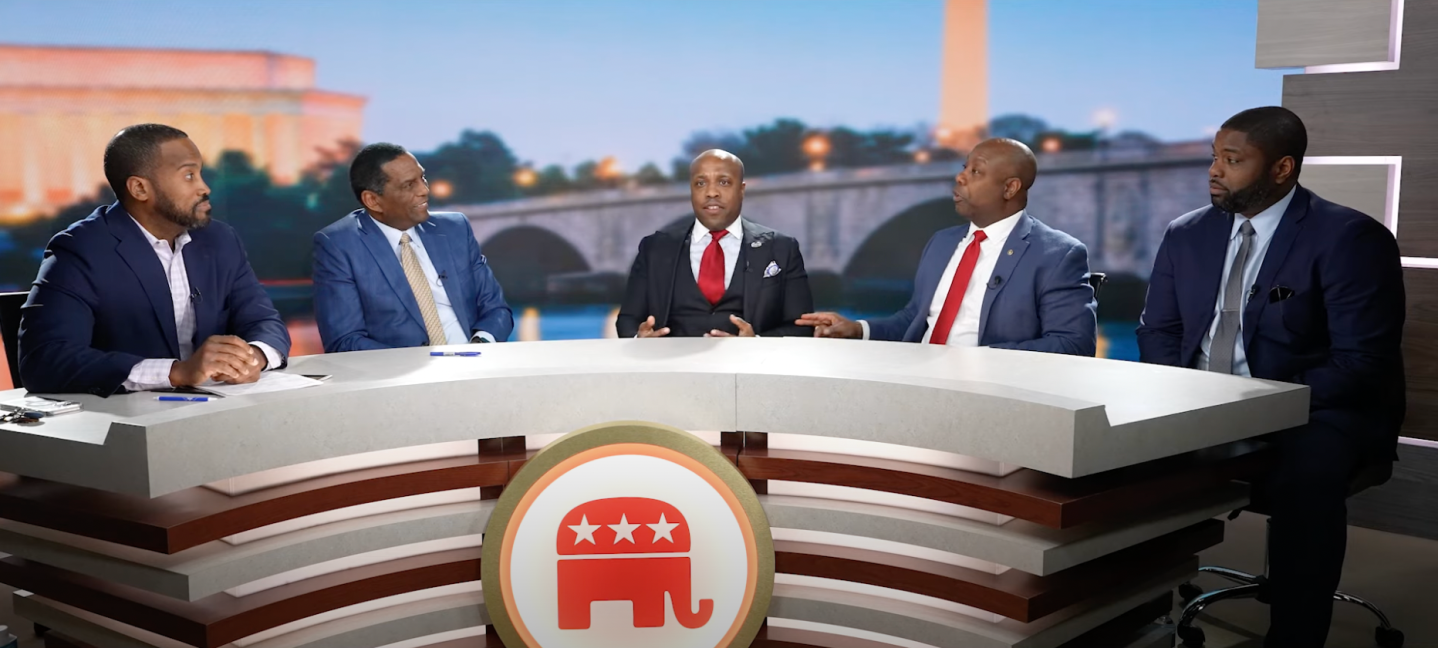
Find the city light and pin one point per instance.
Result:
(441, 189)
(1051, 145)
(608, 169)
(816, 147)
(921, 156)
(526, 177)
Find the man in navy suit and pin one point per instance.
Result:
(148, 293)
(1006, 281)
(1274, 282)
(393, 274)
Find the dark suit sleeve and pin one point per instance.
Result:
(56, 327)
(798, 298)
(492, 314)
(1067, 310)
(635, 308)
(1362, 282)
(893, 327)
(1160, 327)
(338, 311)
(253, 317)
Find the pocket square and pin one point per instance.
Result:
(772, 270)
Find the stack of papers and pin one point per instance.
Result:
(272, 381)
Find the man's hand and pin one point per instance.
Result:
(831, 325)
(222, 357)
(646, 329)
(745, 330)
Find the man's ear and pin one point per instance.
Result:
(1283, 169)
(370, 200)
(139, 189)
(1012, 187)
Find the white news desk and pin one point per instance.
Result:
(199, 508)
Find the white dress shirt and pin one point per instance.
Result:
(453, 332)
(729, 243)
(1265, 223)
(965, 331)
(155, 373)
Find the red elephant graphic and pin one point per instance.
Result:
(593, 541)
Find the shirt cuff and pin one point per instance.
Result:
(150, 374)
(482, 334)
(865, 325)
(273, 359)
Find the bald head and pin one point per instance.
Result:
(719, 155)
(995, 181)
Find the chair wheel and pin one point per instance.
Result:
(1191, 636)
(1388, 637)
(1188, 592)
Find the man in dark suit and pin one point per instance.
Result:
(719, 275)
(148, 293)
(394, 274)
(1006, 280)
(1274, 282)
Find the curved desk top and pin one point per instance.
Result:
(1063, 415)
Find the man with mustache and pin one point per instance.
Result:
(719, 275)
(148, 293)
(1274, 282)
(394, 274)
(1005, 280)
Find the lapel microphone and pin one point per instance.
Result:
(195, 295)
(994, 283)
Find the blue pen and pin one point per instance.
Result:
(184, 399)
(463, 354)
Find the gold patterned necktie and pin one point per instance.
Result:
(420, 285)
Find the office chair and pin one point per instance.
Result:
(10, 304)
(1097, 280)
(1255, 587)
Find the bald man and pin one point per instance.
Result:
(717, 275)
(1004, 280)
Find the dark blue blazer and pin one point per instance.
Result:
(1327, 309)
(363, 301)
(101, 303)
(1038, 297)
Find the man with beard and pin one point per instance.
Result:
(1003, 280)
(148, 293)
(718, 275)
(1274, 282)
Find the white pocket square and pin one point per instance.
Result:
(772, 270)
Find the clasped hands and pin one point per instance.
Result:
(224, 358)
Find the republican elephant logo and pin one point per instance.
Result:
(626, 549)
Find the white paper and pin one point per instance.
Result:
(272, 381)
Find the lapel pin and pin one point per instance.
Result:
(757, 243)
(1011, 252)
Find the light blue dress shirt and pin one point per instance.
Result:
(1265, 223)
(453, 332)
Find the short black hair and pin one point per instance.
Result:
(1275, 130)
(134, 151)
(367, 171)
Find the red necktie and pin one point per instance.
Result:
(711, 269)
(957, 289)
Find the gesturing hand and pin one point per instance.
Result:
(831, 325)
(745, 329)
(646, 329)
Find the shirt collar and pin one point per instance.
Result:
(394, 235)
(701, 232)
(180, 240)
(1266, 221)
(999, 231)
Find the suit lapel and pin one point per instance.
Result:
(199, 265)
(939, 261)
(666, 263)
(1289, 226)
(135, 250)
(438, 247)
(755, 260)
(1014, 247)
(388, 262)
(1212, 254)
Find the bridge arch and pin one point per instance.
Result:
(524, 258)
(881, 271)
